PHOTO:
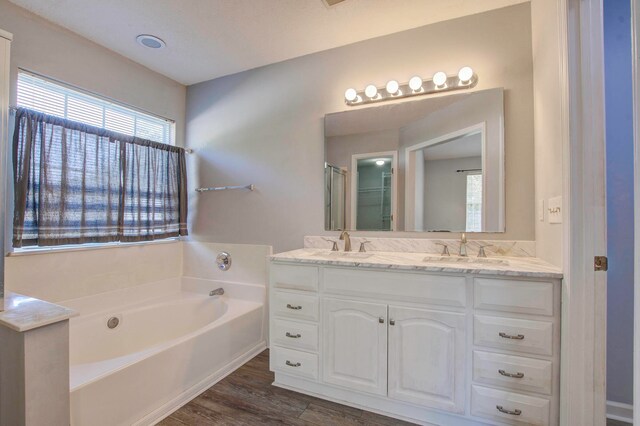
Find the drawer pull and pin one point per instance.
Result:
(295, 308)
(291, 364)
(293, 336)
(510, 412)
(514, 375)
(511, 336)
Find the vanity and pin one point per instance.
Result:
(420, 337)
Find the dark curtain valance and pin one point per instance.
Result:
(75, 184)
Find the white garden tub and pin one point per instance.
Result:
(172, 342)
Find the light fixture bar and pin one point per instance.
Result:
(426, 87)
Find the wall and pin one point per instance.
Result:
(620, 247)
(45, 48)
(48, 49)
(445, 192)
(547, 95)
(69, 274)
(265, 126)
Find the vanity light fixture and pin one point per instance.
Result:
(441, 82)
(371, 91)
(393, 87)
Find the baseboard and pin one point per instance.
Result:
(620, 411)
(165, 410)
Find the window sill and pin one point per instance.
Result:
(83, 247)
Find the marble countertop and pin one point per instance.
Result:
(23, 313)
(499, 265)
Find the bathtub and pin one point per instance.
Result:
(172, 342)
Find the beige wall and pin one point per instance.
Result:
(547, 123)
(265, 126)
(45, 48)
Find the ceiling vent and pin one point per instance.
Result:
(332, 2)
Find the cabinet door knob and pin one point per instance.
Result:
(514, 375)
(392, 322)
(510, 412)
(511, 336)
(381, 320)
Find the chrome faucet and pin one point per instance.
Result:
(217, 292)
(463, 245)
(347, 240)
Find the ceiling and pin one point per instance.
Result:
(211, 38)
(462, 147)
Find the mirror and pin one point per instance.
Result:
(433, 165)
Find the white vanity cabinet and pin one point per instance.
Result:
(429, 347)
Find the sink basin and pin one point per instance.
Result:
(457, 260)
(341, 255)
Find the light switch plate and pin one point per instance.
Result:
(554, 208)
(541, 210)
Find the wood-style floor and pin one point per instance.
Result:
(246, 397)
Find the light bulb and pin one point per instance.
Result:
(380, 162)
(439, 79)
(392, 87)
(371, 91)
(415, 83)
(465, 74)
(351, 95)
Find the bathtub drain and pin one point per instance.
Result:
(113, 322)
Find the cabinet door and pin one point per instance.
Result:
(355, 345)
(427, 358)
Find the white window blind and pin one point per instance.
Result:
(51, 98)
(474, 203)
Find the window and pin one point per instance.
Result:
(39, 94)
(474, 203)
(91, 171)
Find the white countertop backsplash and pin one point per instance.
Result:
(429, 246)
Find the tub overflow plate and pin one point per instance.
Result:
(113, 322)
(223, 260)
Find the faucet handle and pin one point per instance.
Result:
(445, 249)
(362, 247)
(481, 252)
(335, 244)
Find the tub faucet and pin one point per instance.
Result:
(217, 292)
(347, 240)
(463, 245)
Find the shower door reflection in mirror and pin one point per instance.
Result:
(433, 165)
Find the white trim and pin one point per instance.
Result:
(354, 186)
(29, 251)
(6, 34)
(583, 364)
(185, 397)
(620, 411)
(635, 43)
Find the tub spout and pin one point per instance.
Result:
(217, 292)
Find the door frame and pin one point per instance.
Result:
(635, 45)
(584, 299)
(354, 186)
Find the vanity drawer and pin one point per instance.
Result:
(294, 362)
(295, 305)
(513, 372)
(509, 407)
(520, 335)
(295, 334)
(296, 277)
(426, 288)
(527, 297)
